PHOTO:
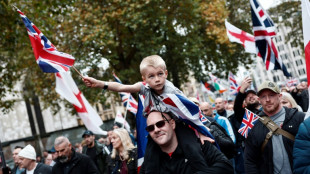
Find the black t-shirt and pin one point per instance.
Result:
(91, 152)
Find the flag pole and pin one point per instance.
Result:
(125, 113)
(78, 72)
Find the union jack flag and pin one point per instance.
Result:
(128, 101)
(233, 86)
(264, 30)
(141, 132)
(292, 82)
(47, 56)
(249, 120)
(185, 110)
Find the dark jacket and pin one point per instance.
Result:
(262, 162)
(78, 164)
(189, 149)
(178, 163)
(301, 149)
(101, 157)
(115, 164)
(222, 138)
(302, 99)
(41, 169)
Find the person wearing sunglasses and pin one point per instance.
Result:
(168, 156)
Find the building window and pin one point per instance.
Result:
(274, 79)
(281, 47)
(301, 72)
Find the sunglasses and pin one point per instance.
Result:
(159, 124)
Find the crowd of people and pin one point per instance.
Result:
(277, 143)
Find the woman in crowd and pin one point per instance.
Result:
(123, 159)
(288, 101)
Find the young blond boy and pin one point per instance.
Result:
(154, 73)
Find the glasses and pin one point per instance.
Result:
(159, 124)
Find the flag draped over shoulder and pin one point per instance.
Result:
(128, 101)
(233, 86)
(249, 120)
(264, 30)
(66, 87)
(306, 32)
(141, 132)
(48, 58)
(236, 35)
(185, 110)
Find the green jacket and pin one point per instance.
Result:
(101, 157)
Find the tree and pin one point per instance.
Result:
(190, 35)
(288, 13)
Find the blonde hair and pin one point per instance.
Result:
(154, 61)
(126, 143)
(289, 97)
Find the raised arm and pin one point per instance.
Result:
(238, 109)
(112, 86)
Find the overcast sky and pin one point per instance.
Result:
(267, 3)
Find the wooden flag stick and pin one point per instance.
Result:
(78, 72)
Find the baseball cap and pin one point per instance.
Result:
(87, 132)
(268, 85)
(250, 91)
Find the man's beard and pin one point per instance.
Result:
(62, 159)
(252, 106)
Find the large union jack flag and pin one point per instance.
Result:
(249, 120)
(185, 110)
(48, 58)
(233, 86)
(128, 101)
(264, 30)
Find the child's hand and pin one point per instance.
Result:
(91, 82)
(205, 138)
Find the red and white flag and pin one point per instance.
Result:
(305, 5)
(236, 35)
(66, 87)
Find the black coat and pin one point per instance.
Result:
(41, 169)
(222, 138)
(79, 164)
(201, 158)
(101, 157)
(115, 164)
(258, 162)
(302, 99)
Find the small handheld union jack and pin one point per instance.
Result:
(127, 99)
(249, 120)
(47, 56)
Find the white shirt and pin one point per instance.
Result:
(31, 171)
